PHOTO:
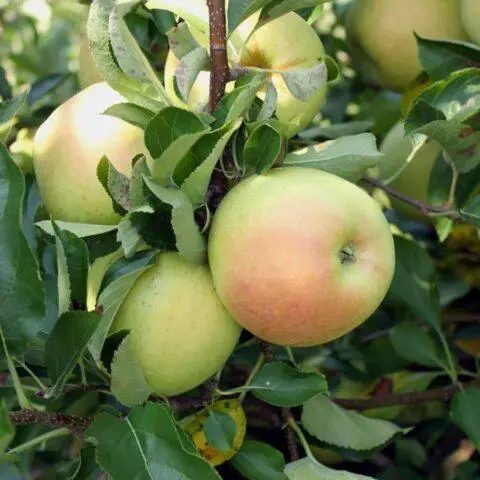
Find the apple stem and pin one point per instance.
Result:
(219, 71)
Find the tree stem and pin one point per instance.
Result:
(219, 71)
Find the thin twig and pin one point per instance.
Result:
(455, 176)
(219, 71)
(443, 394)
(425, 208)
(290, 435)
(74, 423)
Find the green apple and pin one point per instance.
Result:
(68, 147)
(286, 43)
(382, 41)
(299, 256)
(88, 74)
(180, 332)
(22, 149)
(471, 19)
(407, 172)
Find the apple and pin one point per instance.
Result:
(22, 149)
(299, 256)
(68, 147)
(409, 175)
(382, 41)
(471, 18)
(286, 43)
(180, 332)
(88, 74)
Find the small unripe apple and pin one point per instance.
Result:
(88, 73)
(68, 147)
(299, 256)
(286, 43)
(410, 178)
(180, 332)
(22, 149)
(471, 19)
(382, 41)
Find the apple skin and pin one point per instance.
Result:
(180, 332)
(287, 42)
(381, 36)
(275, 252)
(413, 180)
(471, 19)
(88, 74)
(68, 147)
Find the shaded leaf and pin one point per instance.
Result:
(465, 413)
(220, 430)
(189, 240)
(259, 461)
(262, 148)
(66, 344)
(22, 299)
(131, 113)
(309, 469)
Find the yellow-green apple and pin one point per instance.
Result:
(407, 173)
(180, 332)
(299, 256)
(88, 73)
(286, 43)
(68, 147)
(382, 41)
(22, 149)
(471, 18)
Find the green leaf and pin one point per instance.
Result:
(128, 383)
(263, 148)
(181, 40)
(131, 113)
(7, 429)
(279, 384)
(240, 11)
(110, 300)
(168, 137)
(440, 58)
(465, 413)
(87, 467)
(189, 240)
(10, 471)
(413, 282)
(471, 213)
(66, 344)
(337, 130)
(74, 252)
(137, 191)
(189, 68)
(416, 345)
(259, 461)
(81, 230)
(153, 444)
(233, 105)
(303, 83)
(269, 103)
(194, 171)
(115, 184)
(220, 430)
(310, 469)
(45, 85)
(195, 12)
(22, 299)
(276, 8)
(348, 157)
(143, 94)
(129, 231)
(9, 108)
(332, 424)
(129, 54)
